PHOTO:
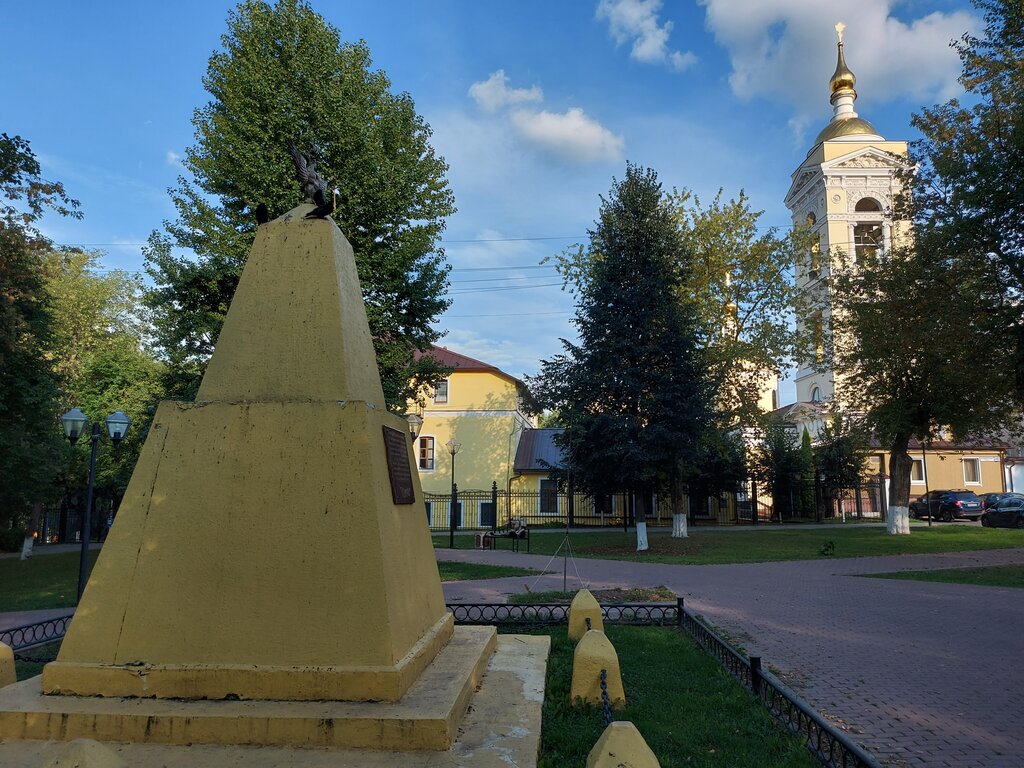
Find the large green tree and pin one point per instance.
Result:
(98, 331)
(30, 446)
(284, 75)
(966, 198)
(912, 356)
(736, 279)
(633, 392)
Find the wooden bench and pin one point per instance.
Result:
(515, 530)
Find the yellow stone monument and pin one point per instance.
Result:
(270, 579)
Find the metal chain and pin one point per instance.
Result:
(604, 698)
(35, 659)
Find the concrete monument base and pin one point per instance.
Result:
(426, 718)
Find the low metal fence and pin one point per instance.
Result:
(832, 747)
(29, 636)
(549, 614)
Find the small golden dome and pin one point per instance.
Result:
(851, 126)
(842, 79)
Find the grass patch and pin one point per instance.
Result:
(688, 709)
(42, 581)
(990, 576)
(617, 595)
(452, 571)
(710, 547)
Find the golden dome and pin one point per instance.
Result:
(851, 126)
(842, 79)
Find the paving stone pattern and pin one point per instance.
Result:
(921, 674)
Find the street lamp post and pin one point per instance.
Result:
(453, 448)
(74, 422)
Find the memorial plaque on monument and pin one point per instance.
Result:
(398, 466)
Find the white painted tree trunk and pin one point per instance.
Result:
(899, 520)
(641, 537)
(26, 546)
(679, 526)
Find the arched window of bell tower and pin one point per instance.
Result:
(867, 205)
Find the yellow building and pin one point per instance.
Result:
(483, 410)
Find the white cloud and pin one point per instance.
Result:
(571, 135)
(637, 20)
(173, 158)
(493, 93)
(786, 50)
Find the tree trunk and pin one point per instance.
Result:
(899, 486)
(680, 515)
(642, 501)
(26, 547)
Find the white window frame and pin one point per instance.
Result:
(447, 392)
(924, 472)
(977, 463)
(433, 453)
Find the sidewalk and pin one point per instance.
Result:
(921, 673)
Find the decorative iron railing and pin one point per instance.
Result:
(831, 746)
(547, 614)
(33, 635)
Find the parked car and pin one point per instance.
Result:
(947, 505)
(988, 499)
(1005, 513)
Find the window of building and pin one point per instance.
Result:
(815, 257)
(867, 205)
(867, 241)
(548, 497)
(816, 395)
(972, 471)
(426, 454)
(441, 392)
(917, 471)
(819, 338)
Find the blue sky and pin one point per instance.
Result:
(536, 105)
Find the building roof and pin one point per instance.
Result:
(968, 444)
(537, 451)
(450, 359)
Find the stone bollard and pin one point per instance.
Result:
(594, 653)
(7, 674)
(621, 744)
(584, 606)
(84, 753)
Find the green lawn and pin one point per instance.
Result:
(42, 581)
(688, 709)
(992, 576)
(707, 547)
(51, 581)
(451, 571)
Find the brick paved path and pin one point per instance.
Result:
(921, 674)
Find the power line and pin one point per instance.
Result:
(496, 289)
(513, 314)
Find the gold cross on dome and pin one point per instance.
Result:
(839, 30)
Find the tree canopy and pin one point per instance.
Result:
(965, 195)
(284, 76)
(633, 392)
(737, 283)
(30, 445)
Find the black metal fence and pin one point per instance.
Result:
(479, 510)
(832, 747)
